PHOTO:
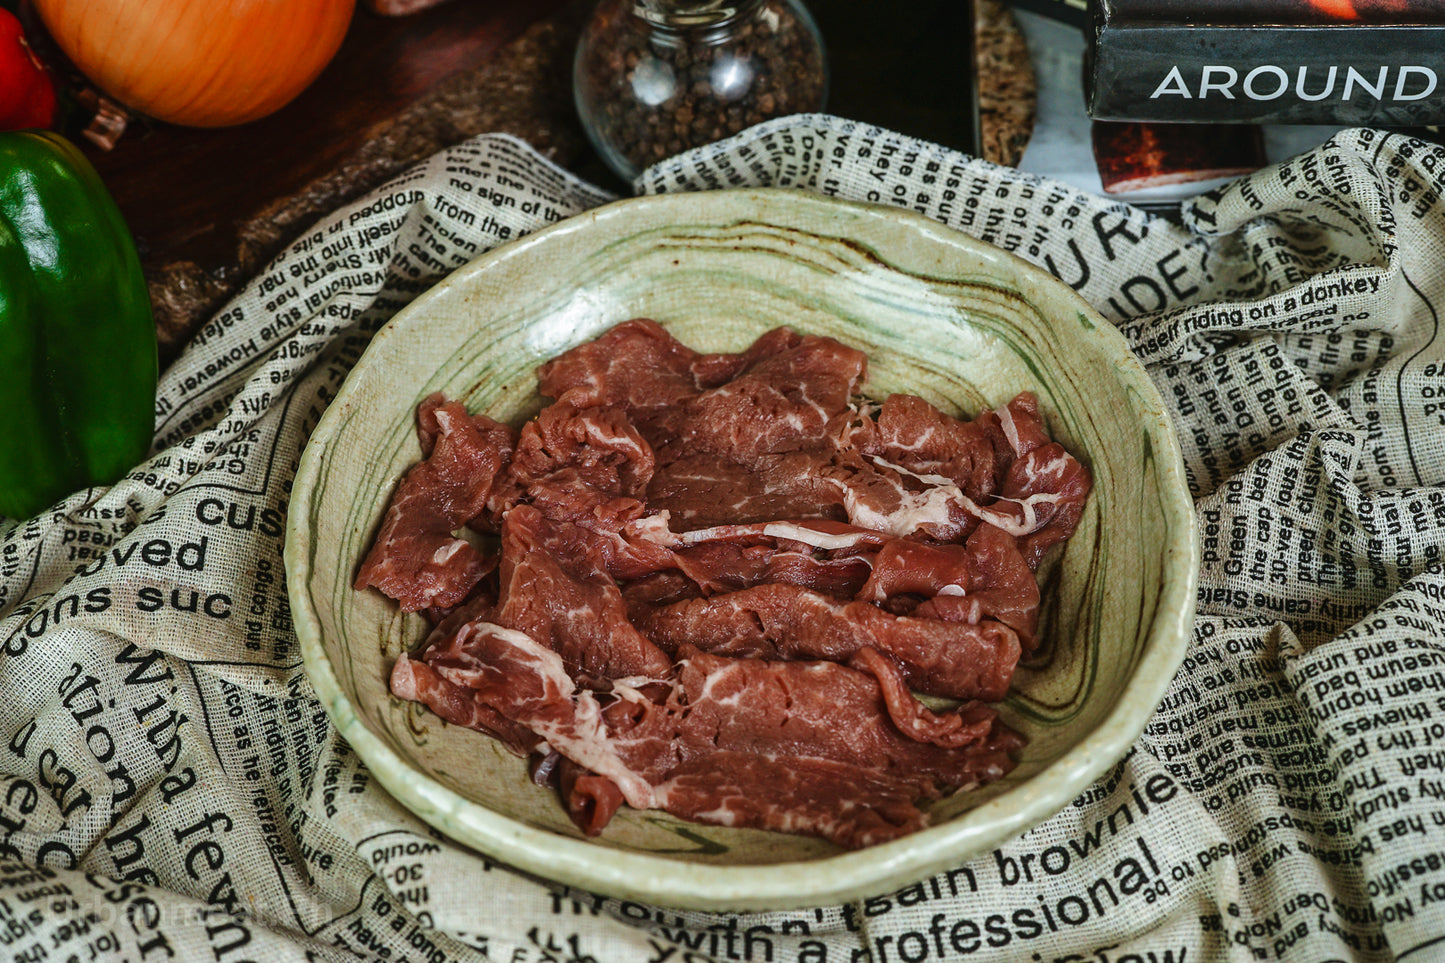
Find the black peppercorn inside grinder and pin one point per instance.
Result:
(655, 77)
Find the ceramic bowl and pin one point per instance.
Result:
(940, 315)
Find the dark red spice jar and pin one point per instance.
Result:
(653, 78)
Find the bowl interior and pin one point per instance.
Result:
(959, 323)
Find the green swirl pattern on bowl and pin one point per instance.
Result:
(957, 322)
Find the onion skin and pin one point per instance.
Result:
(199, 63)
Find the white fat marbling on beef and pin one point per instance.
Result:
(932, 508)
(812, 534)
(446, 552)
(1010, 429)
(528, 684)
(403, 679)
(1017, 516)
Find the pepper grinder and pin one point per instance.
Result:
(653, 78)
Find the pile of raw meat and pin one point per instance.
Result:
(711, 583)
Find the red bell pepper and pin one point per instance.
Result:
(27, 95)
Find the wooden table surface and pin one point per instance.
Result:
(209, 207)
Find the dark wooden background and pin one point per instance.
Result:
(185, 190)
(209, 207)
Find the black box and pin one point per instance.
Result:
(1362, 63)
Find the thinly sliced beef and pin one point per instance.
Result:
(588, 465)
(416, 559)
(969, 724)
(720, 720)
(722, 579)
(591, 800)
(1016, 428)
(816, 797)
(828, 557)
(820, 534)
(635, 365)
(1049, 487)
(985, 578)
(783, 400)
(778, 621)
(724, 567)
(555, 588)
(817, 748)
(905, 567)
(528, 684)
(417, 680)
(663, 384)
(826, 709)
(705, 489)
(1001, 469)
(1004, 586)
(915, 435)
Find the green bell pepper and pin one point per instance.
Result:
(78, 363)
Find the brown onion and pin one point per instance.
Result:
(200, 63)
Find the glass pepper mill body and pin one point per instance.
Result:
(655, 77)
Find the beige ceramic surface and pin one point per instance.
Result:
(940, 315)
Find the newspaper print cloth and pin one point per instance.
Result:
(171, 790)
